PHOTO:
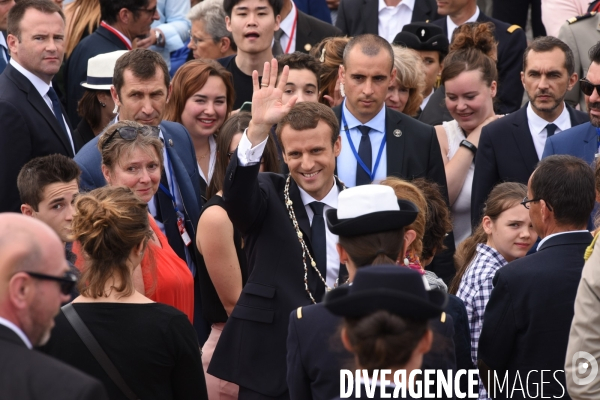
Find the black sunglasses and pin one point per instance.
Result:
(526, 201)
(129, 133)
(67, 282)
(588, 87)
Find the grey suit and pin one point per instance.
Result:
(580, 36)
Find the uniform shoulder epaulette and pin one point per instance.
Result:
(513, 28)
(581, 17)
(299, 313)
(590, 248)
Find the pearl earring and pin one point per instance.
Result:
(406, 262)
(342, 93)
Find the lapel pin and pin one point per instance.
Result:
(171, 142)
(307, 47)
(397, 132)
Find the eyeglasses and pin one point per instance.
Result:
(193, 39)
(150, 11)
(130, 133)
(526, 201)
(67, 282)
(588, 87)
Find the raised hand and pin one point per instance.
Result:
(267, 105)
(337, 97)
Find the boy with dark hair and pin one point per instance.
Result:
(303, 78)
(253, 24)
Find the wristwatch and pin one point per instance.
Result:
(465, 143)
(160, 38)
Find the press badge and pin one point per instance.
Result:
(184, 235)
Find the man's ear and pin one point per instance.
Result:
(11, 42)
(224, 45)
(346, 340)
(26, 209)
(342, 74)
(228, 23)
(115, 96)
(394, 73)
(125, 16)
(572, 81)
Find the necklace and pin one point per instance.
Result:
(305, 252)
(202, 157)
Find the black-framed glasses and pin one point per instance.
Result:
(130, 133)
(150, 11)
(66, 282)
(526, 201)
(588, 87)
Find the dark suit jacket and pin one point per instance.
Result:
(511, 47)
(311, 31)
(28, 130)
(356, 17)
(29, 374)
(506, 153)
(580, 141)
(100, 42)
(436, 112)
(315, 8)
(315, 353)
(528, 317)
(252, 348)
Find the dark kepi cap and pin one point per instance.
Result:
(367, 209)
(423, 36)
(396, 289)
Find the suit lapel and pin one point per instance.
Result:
(523, 140)
(300, 211)
(302, 33)
(371, 16)
(394, 144)
(421, 11)
(590, 143)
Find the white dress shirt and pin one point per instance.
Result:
(212, 143)
(346, 161)
(16, 330)
(556, 234)
(393, 19)
(452, 26)
(248, 155)
(3, 48)
(42, 88)
(537, 127)
(287, 26)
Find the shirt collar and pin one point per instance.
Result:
(41, 86)
(537, 124)
(288, 23)
(331, 199)
(377, 123)
(16, 330)
(483, 248)
(452, 26)
(121, 35)
(408, 3)
(539, 246)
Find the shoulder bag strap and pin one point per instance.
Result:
(94, 347)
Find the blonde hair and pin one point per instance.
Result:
(410, 73)
(82, 16)
(109, 223)
(407, 191)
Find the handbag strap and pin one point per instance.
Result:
(94, 347)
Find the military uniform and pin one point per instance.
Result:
(580, 34)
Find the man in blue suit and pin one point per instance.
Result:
(141, 89)
(583, 140)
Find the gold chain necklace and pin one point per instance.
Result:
(305, 252)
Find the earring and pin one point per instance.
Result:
(102, 104)
(342, 93)
(406, 262)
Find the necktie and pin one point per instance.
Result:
(167, 215)
(58, 111)
(365, 154)
(319, 243)
(551, 128)
(3, 63)
(277, 49)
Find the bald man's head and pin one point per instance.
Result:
(30, 302)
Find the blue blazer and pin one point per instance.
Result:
(579, 141)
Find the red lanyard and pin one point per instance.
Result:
(287, 49)
(116, 33)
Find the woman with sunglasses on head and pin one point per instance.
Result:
(202, 98)
(504, 234)
(152, 346)
(132, 156)
(470, 79)
(222, 271)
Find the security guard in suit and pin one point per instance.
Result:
(580, 34)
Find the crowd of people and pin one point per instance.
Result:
(237, 199)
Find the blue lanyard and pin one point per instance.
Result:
(166, 190)
(598, 138)
(358, 159)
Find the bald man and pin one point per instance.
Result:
(34, 282)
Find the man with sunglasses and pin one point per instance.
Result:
(34, 282)
(123, 21)
(528, 317)
(583, 141)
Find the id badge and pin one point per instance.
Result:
(184, 235)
